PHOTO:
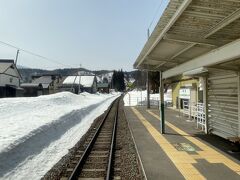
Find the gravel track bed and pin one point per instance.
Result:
(130, 167)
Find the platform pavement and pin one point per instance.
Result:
(183, 152)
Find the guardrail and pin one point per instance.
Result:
(195, 112)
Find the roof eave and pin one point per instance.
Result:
(157, 36)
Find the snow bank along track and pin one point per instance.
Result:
(96, 161)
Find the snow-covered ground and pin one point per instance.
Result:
(36, 132)
(136, 97)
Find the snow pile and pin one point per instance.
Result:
(135, 97)
(36, 132)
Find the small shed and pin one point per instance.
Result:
(45, 81)
(103, 87)
(32, 90)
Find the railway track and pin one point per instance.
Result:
(96, 160)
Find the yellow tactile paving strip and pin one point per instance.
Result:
(182, 160)
(207, 153)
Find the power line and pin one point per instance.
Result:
(34, 54)
(155, 14)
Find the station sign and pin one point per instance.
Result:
(184, 93)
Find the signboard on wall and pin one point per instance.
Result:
(184, 93)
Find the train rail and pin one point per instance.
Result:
(96, 161)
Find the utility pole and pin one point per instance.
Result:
(16, 57)
(79, 83)
(112, 80)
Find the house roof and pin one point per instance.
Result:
(189, 29)
(85, 81)
(102, 85)
(30, 85)
(5, 64)
(44, 80)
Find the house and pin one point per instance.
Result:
(32, 90)
(86, 83)
(49, 82)
(9, 79)
(42, 85)
(103, 87)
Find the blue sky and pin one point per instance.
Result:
(98, 34)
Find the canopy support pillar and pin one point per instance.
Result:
(148, 91)
(161, 107)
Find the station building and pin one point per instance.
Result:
(196, 48)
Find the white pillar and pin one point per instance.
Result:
(205, 102)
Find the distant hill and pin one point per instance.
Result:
(27, 73)
(135, 77)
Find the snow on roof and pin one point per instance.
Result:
(85, 81)
(98, 79)
(43, 80)
(29, 85)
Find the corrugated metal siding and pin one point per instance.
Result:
(223, 103)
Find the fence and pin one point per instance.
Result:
(141, 100)
(195, 112)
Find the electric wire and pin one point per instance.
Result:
(35, 54)
(155, 14)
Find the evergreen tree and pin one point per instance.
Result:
(118, 80)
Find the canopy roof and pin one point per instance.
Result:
(189, 29)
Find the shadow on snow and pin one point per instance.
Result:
(37, 140)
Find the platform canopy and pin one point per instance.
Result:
(192, 34)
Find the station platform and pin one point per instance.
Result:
(183, 152)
